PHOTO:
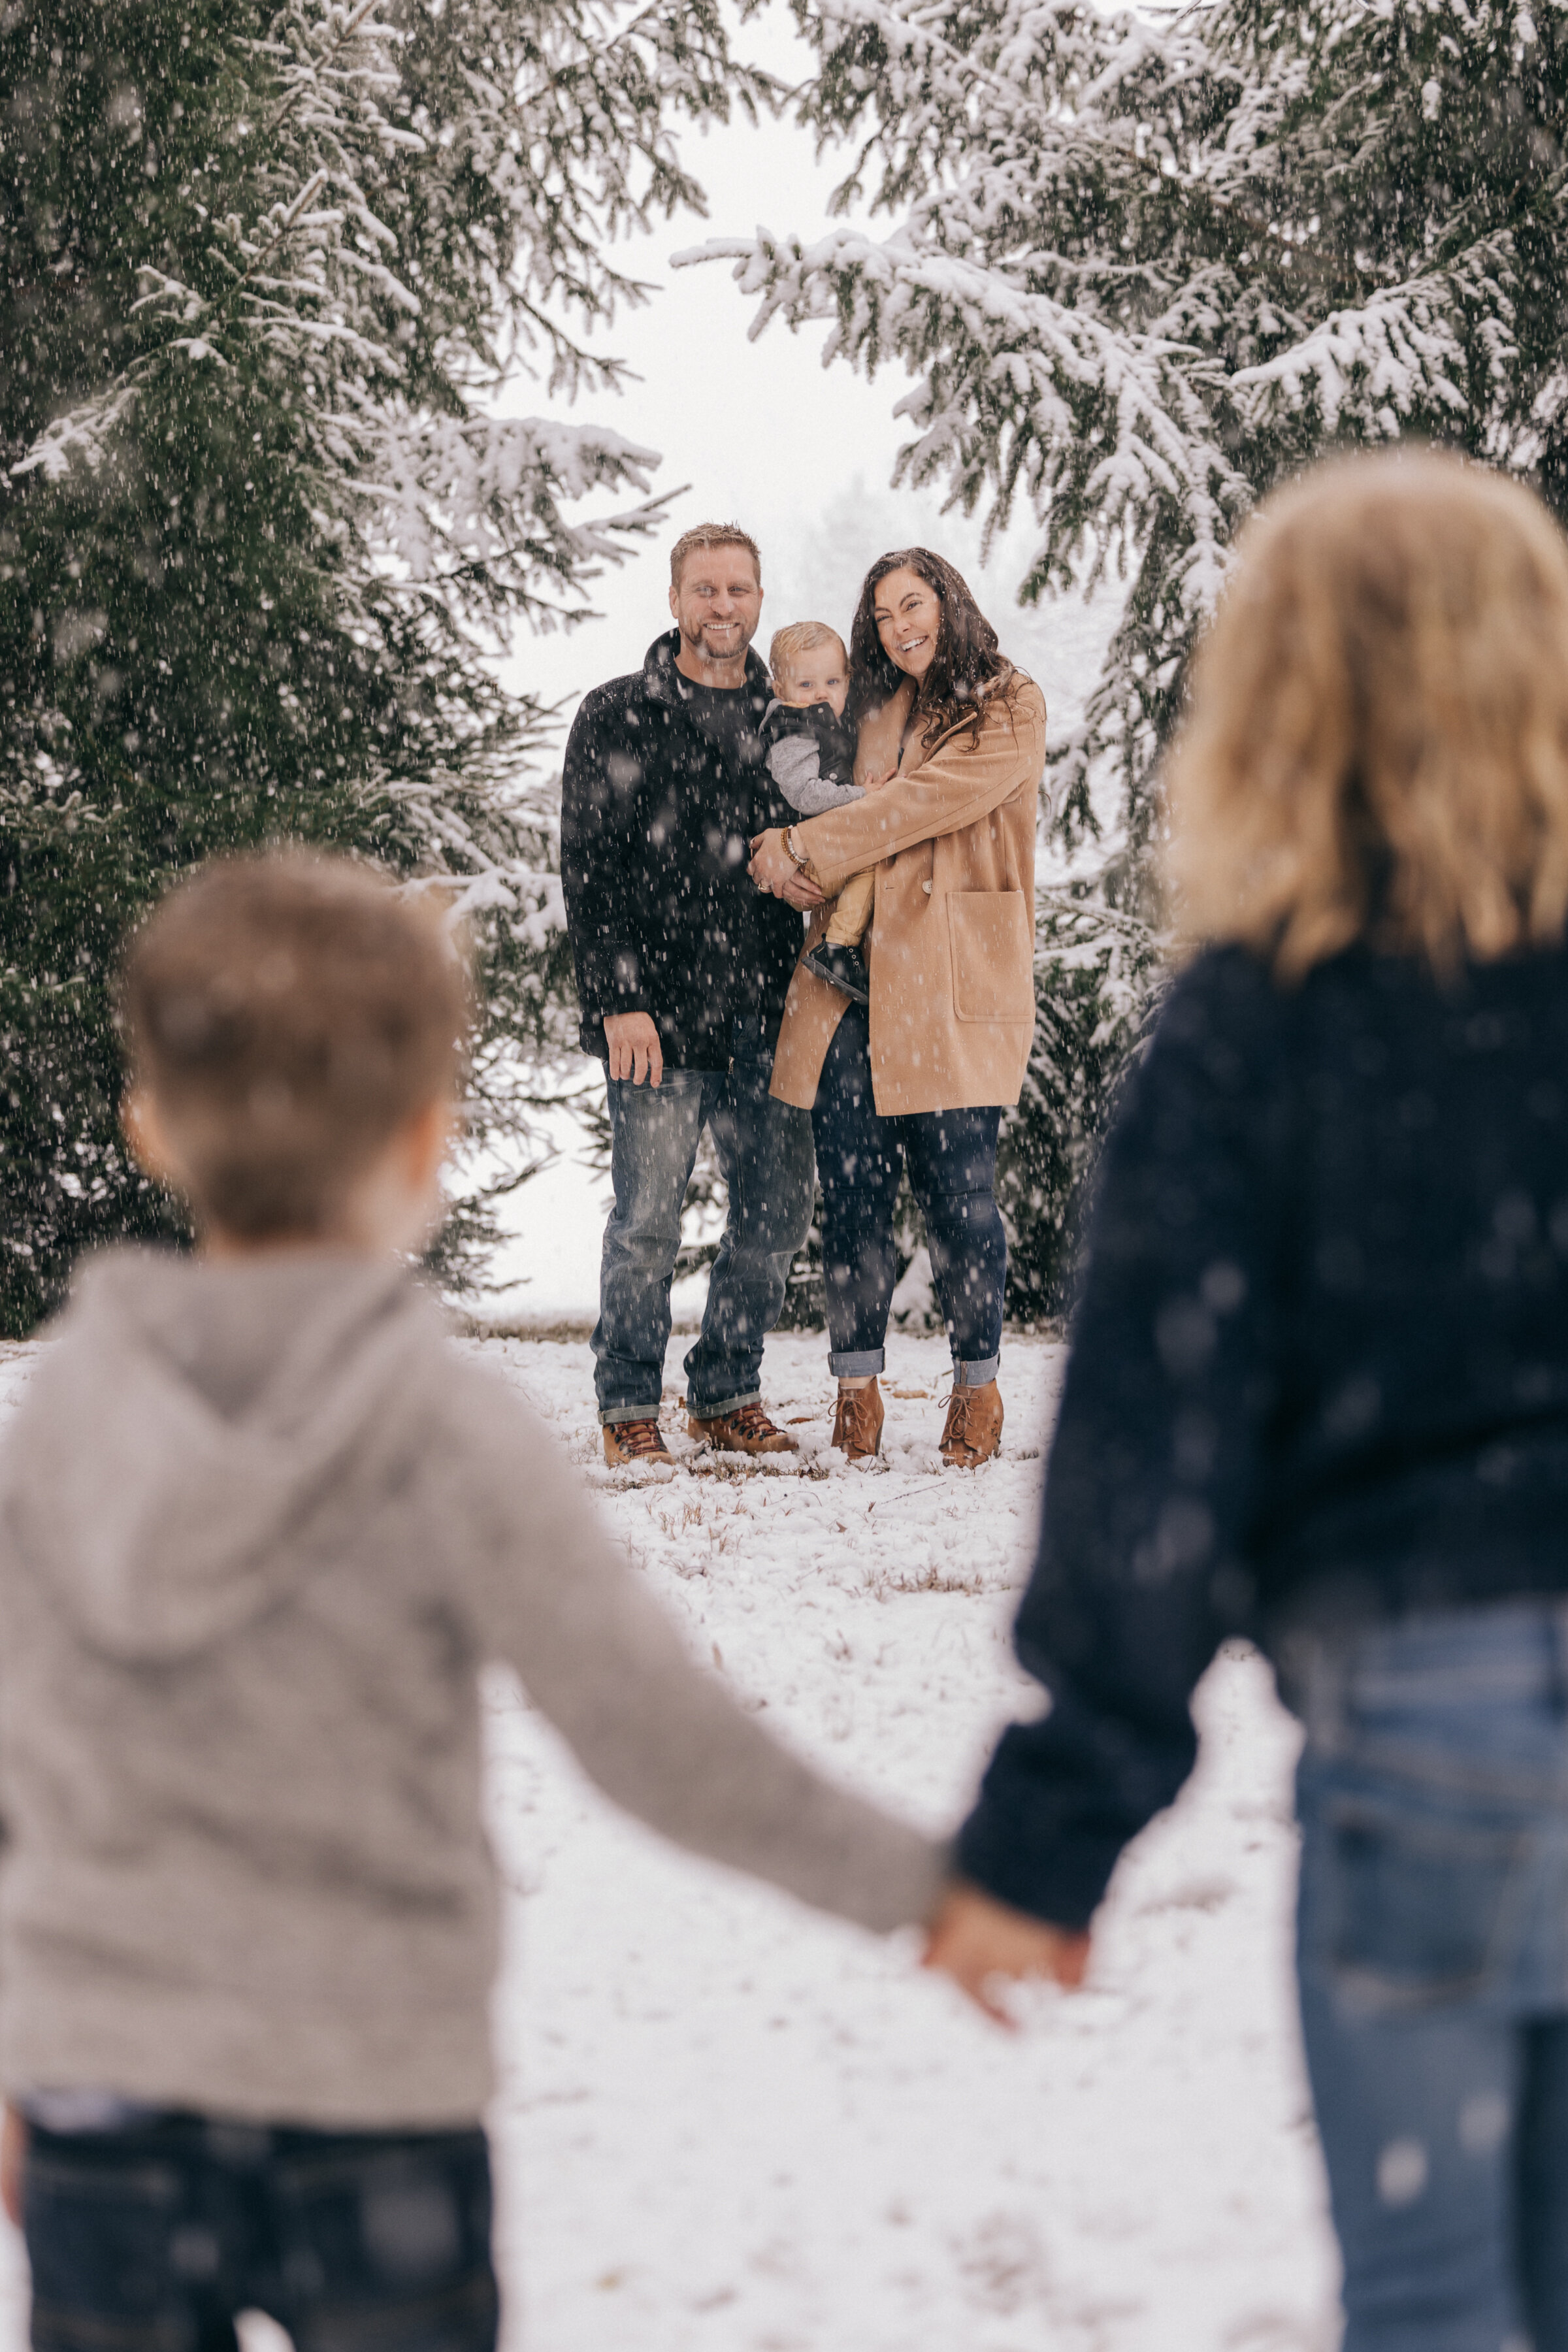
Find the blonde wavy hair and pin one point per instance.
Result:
(1377, 740)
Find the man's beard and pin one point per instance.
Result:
(698, 641)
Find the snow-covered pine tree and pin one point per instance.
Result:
(261, 267)
(1144, 267)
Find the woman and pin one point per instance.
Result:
(1319, 1384)
(956, 738)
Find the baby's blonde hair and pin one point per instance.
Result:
(798, 638)
(1378, 737)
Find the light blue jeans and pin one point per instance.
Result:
(1433, 1954)
(764, 1155)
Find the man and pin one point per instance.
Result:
(682, 972)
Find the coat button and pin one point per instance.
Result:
(926, 887)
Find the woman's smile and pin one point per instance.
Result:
(908, 615)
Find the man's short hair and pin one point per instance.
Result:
(798, 638)
(288, 1013)
(704, 535)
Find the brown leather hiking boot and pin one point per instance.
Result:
(857, 1420)
(747, 1430)
(634, 1441)
(973, 1432)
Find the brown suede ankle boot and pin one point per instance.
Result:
(857, 1420)
(973, 1433)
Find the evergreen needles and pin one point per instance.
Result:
(259, 540)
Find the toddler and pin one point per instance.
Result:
(811, 759)
(260, 1527)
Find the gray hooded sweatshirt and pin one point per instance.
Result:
(260, 1527)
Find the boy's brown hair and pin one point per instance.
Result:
(1377, 744)
(704, 536)
(288, 1013)
(799, 638)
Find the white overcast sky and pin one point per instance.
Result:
(801, 455)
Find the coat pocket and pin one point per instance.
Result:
(993, 955)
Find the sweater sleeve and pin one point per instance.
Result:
(961, 782)
(1156, 1466)
(600, 786)
(549, 1592)
(795, 764)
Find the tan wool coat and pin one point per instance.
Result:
(952, 945)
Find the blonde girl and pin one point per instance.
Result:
(1318, 1393)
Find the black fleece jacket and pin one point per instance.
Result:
(1319, 1373)
(665, 786)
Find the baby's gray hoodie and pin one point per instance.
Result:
(262, 1525)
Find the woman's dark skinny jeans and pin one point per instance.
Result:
(952, 1159)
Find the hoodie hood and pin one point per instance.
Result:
(199, 1434)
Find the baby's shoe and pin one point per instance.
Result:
(841, 968)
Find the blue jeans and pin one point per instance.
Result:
(1433, 1955)
(764, 1149)
(151, 2239)
(951, 1158)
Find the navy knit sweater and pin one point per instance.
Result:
(1319, 1373)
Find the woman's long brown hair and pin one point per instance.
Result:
(967, 669)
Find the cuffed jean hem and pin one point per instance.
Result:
(976, 1376)
(862, 1365)
(724, 1405)
(611, 1415)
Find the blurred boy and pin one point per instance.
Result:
(262, 1527)
(811, 759)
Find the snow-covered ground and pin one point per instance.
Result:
(725, 2124)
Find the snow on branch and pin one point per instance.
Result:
(84, 435)
(476, 503)
(1142, 270)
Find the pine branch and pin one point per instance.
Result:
(364, 9)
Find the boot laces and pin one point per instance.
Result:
(959, 1405)
(751, 1420)
(639, 1438)
(852, 1413)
